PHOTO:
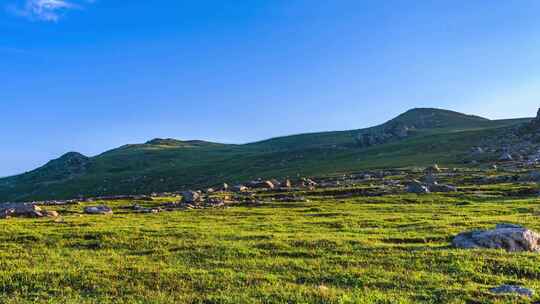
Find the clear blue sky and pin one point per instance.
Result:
(87, 76)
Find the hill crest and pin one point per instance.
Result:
(170, 164)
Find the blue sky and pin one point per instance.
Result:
(87, 76)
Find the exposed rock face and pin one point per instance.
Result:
(512, 289)
(390, 132)
(534, 125)
(104, 210)
(531, 131)
(512, 238)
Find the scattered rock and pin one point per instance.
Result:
(430, 179)
(240, 188)
(307, 182)
(433, 169)
(417, 187)
(442, 188)
(506, 157)
(22, 209)
(140, 209)
(104, 210)
(286, 184)
(262, 184)
(50, 213)
(191, 197)
(477, 151)
(290, 198)
(512, 238)
(512, 289)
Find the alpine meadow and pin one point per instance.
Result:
(146, 156)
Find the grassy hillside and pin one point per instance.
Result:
(169, 165)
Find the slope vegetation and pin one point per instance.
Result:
(417, 137)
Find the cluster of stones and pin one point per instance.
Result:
(516, 146)
(429, 183)
(24, 210)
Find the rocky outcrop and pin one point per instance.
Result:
(389, 132)
(512, 238)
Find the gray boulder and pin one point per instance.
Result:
(265, 184)
(286, 183)
(20, 209)
(506, 157)
(103, 210)
(240, 188)
(512, 238)
(512, 289)
(191, 197)
(430, 179)
(442, 188)
(433, 169)
(417, 187)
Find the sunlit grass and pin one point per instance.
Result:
(392, 249)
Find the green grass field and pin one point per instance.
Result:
(390, 249)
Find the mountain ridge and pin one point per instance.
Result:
(170, 164)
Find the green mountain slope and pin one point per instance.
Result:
(417, 137)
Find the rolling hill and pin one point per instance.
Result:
(417, 137)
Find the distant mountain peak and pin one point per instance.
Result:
(414, 120)
(436, 118)
(70, 158)
(73, 154)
